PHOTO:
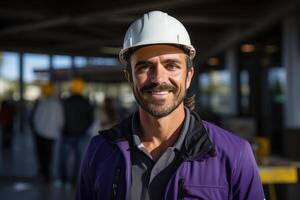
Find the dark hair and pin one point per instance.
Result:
(190, 102)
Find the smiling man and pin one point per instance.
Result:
(164, 150)
(159, 78)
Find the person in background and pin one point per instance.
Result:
(165, 150)
(7, 113)
(110, 113)
(46, 122)
(78, 117)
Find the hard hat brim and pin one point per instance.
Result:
(124, 53)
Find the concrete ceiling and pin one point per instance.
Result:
(97, 28)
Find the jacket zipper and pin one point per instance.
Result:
(115, 184)
(181, 189)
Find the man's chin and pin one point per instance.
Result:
(158, 111)
(158, 114)
(157, 108)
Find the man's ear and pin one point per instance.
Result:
(127, 75)
(189, 77)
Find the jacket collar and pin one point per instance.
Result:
(196, 143)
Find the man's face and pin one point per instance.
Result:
(159, 78)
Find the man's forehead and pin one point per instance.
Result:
(162, 51)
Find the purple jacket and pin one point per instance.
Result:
(214, 165)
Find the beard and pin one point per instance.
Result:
(156, 108)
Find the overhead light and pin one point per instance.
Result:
(213, 61)
(247, 48)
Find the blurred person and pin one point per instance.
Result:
(165, 150)
(78, 117)
(46, 122)
(111, 114)
(7, 113)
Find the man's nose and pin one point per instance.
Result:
(158, 74)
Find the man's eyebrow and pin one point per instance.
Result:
(143, 62)
(173, 60)
(169, 60)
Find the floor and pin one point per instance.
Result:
(18, 173)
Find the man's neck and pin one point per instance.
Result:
(160, 133)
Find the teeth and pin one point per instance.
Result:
(159, 92)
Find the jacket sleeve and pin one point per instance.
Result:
(246, 179)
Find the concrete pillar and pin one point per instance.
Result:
(21, 91)
(51, 68)
(291, 62)
(73, 67)
(231, 64)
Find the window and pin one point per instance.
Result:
(214, 89)
(61, 62)
(34, 62)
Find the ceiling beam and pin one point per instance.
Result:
(86, 44)
(98, 32)
(59, 37)
(34, 26)
(54, 36)
(46, 49)
(151, 5)
(90, 17)
(215, 20)
(17, 14)
(236, 36)
(194, 20)
(51, 51)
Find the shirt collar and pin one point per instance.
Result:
(136, 130)
(184, 130)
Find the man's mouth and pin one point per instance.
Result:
(158, 92)
(157, 95)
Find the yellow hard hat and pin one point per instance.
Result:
(77, 85)
(48, 89)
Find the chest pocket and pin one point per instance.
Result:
(205, 193)
(201, 192)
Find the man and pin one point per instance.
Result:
(7, 115)
(165, 151)
(46, 123)
(78, 117)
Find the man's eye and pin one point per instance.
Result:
(172, 66)
(143, 68)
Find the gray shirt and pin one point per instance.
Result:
(149, 178)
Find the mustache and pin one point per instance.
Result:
(158, 87)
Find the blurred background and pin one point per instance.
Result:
(247, 80)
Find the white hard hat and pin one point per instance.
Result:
(156, 27)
